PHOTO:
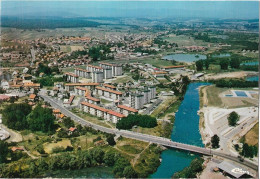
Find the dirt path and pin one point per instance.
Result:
(14, 136)
(125, 152)
(28, 153)
(138, 155)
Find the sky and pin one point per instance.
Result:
(142, 9)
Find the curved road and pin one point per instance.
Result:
(145, 137)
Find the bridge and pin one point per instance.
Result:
(147, 138)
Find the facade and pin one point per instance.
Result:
(116, 95)
(136, 100)
(92, 100)
(71, 77)
(109, 86)
(125, 110)
(97, 77)
(117, 70)
(93, 68)
(72, 86)
(98, 111)
(152, 91)
(107, 73)
(82, 73)
(81, 90)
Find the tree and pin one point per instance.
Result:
(233, 118)
(68, 122)
(3, 151)
(215, 141)
(110, 157)
(234, 63)
(249, 150)
(199, 65)
(135, 119)
(41, 119)
(110, 139)
(207, 64)
(97, 155)
(14, 116)
(129, 172)
(224, 64)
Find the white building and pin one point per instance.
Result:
(98, 111)
(71, 77)
(82, 73)
(136, 100)
(108, 93)
(97, 77)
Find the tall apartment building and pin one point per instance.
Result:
(97, 77)
(107, 73)
(136, 100)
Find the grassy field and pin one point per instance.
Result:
(213, 96)
(252, 136)
(163, 129)
(48, 147)
(122, 79)
(163, 106)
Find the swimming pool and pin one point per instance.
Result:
(241, 94)
(229, 95)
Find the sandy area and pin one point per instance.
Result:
(240, 74)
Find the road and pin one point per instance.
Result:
(144, 137)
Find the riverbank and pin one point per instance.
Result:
(185, 130)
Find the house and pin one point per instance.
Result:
(14, 149)
(32, 97)
(72, 129)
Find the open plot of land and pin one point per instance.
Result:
(219, 97)
(183, 40)
(216, 122)
(237, 74)
(252, 136)
(164, 105)
(48, 147)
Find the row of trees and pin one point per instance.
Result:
(234, 83)
(21, 116)
(49, 80)
(224, 64)
(249, 150)
(70, 161)
(138, 120)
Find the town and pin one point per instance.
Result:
(119, 97)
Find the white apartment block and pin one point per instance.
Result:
(72, 86)
(71, 77)
(98, 111)
(97, 77)
(108, 93)
(82, 73)
(125, 110)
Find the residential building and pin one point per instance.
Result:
(97, 77)
(116, 95)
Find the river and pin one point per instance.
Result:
(185, 130)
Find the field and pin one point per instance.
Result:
(216, 97)
(252, 136)
(163, 106)
(48, 147)
(183, 40)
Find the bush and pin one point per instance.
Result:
(136, 119)
(58, 149)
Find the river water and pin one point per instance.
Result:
(185, 130)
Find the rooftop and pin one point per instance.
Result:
(109, 90)
(127, 108)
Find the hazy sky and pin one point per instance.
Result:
(159, 9)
